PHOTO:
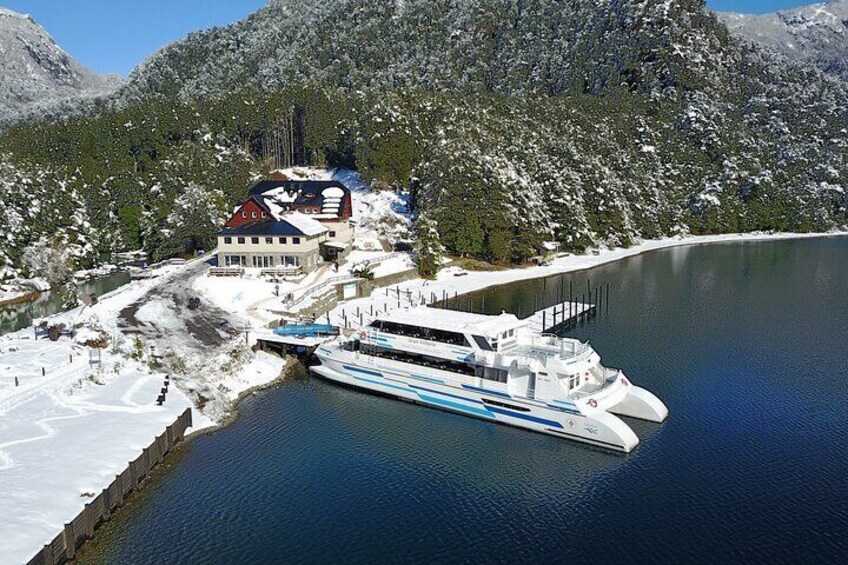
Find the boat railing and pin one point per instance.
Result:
(610, 376)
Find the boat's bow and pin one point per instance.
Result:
(641, 404)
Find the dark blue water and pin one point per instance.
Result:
(746, 344)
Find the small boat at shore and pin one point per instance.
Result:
(495, 368)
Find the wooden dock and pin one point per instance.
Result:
(561, 316)
(288, 345)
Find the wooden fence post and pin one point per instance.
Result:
(70, 541)
(88, 521)
(119, 491)
(133, 476)
(47, 554)
(107, 503)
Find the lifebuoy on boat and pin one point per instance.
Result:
(362, 334)
(593, 403)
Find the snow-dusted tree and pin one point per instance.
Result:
(195, 217)
(428, 246)
(48, 259)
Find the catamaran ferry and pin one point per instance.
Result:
(495, 368)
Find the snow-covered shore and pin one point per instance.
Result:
(65, 433)
(448, 282)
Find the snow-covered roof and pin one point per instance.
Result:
(333, 192)
(336, 244)
(453, 321)
(279, 196)
(306, 224)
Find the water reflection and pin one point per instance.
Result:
(18, 316)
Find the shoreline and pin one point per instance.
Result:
(475, 281)
(90, 547)
(22, 298)
(235, 410)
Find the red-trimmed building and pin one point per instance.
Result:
(289, 223)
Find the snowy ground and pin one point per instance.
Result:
(259, 302)
(64, 436)
(68, 432)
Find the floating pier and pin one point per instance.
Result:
(299, 346)
(561, 316)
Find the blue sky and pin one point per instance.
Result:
(113, 36)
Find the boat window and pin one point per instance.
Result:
(419, 332)
(491, 374)
(482, 343)
(505, 405)
(416, 359)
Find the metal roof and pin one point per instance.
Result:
(453, 321)
(287, 225)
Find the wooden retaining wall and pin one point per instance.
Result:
(64, 546)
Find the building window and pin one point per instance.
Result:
(332, 234)
(282, 240)
(291, 261)
(234, 260)
(296, 240)
(253, 214)
(264, 215)
(263, 261)
(254, 240)
(244, 214)
(241, 240)
(228, 240)
(269, 240)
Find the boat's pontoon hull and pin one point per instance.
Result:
(599, 428)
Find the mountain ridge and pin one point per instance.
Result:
(816, 34)
(36, 74)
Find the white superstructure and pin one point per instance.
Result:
(492, 367)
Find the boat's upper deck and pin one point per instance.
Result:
(453, 321)
(546, 346)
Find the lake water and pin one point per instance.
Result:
(746, 344)
(18, 316)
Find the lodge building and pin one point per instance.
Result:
(288, 225)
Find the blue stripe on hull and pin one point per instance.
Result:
(487, 391)
(456, 406)
(527, 417)
(430, 390)
(363, 371)
(427, 379)
(382, 383)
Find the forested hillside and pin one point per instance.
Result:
(512, 122)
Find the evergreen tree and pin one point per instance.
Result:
(428, 247)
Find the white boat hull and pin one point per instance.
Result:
(563, 419)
